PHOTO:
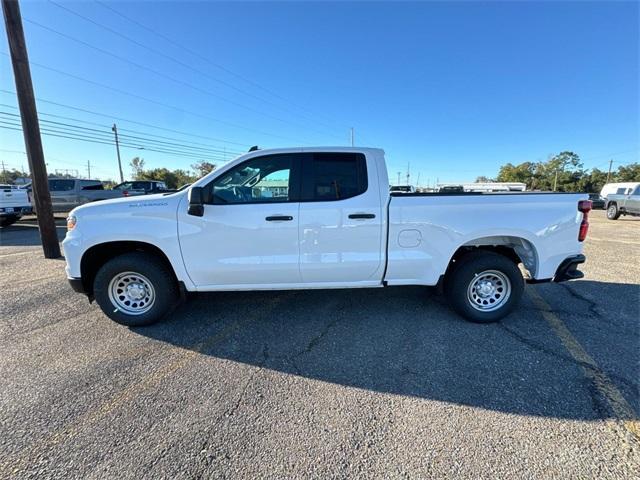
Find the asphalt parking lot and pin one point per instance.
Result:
(374, 383)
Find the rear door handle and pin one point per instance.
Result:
(279, 218)
(362, 215)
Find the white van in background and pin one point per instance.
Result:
(618, 188)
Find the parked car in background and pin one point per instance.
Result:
(68, 193)
(335, 225)
(625, 201)
(451, 189)
(597, 202)
(142, 187)
(14, 203)
(402, 189)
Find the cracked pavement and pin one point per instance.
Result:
(336, 383)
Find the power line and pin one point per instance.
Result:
(143, 139)
(153, 50)
(99, 140)
(138, 142)
(122, 119)
(150, 100)
(163, 75)
(217, 65)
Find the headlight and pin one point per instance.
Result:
(71, 222)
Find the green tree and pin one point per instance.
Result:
(483, 179)
(628, 173)
(137, 167)
(523, 173)
(592, 182)
(563, 171)
(172, 178)
(203, 168)
(10, 176)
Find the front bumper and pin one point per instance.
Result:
(568, 269)
(77, 285)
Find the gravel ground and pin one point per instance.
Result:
(375, 383)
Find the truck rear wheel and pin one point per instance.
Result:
(484, 286)
(135, 289)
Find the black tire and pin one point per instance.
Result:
(8, 220)
(150, 269)
(464, 274)
(613, 213)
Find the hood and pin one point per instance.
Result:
(157, 199)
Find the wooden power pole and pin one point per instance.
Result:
(115, 132)
(31, 128)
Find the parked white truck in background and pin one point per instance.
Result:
(335, 226)
(14, 203)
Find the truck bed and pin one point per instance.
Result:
(426, 230)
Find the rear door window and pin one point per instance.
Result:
(91, 185)
(334, 176)
(60, 185)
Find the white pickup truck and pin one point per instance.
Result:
(319, 218)
(14, 203)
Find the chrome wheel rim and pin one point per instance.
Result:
(612, 211)
(132, 293)
(489, 290)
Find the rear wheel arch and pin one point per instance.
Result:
(97, 255)
(516, 249)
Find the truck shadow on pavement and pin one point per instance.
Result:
(406, 341)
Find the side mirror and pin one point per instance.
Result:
(196, 201)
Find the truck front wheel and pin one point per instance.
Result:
(135, 289)
(484, 286)
(612, 212)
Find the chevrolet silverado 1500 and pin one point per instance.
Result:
(319, 218)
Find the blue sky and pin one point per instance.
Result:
(455, 89)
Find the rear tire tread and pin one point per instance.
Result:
(463, 273)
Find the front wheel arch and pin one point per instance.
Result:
(97, 255)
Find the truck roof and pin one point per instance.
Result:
(313, 149)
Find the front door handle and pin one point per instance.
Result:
(362, 215)
(279, 218)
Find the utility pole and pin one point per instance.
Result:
(609, 172)
(31, 128)
(408, 173)
(418, 181)
(115, 131)
(352, 137)
(89, 169)
(398, 179)
(555, 181)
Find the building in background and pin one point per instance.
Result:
(484, 187)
